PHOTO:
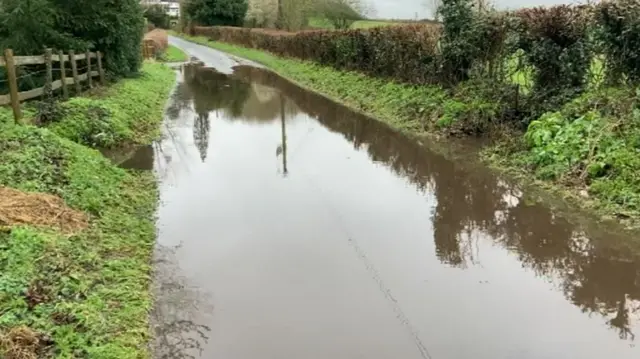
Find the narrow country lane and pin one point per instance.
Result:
(293, 228)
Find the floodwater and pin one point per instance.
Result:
(293, 228)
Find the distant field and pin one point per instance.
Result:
(320, 23)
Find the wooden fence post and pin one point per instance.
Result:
(89, 69)
(100, 69)
(48, 91)
(13, 84)
(74, 70)
(63, 76)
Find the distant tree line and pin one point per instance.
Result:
(288, 15)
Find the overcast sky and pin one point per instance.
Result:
(407, 9)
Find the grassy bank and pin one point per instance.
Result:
(600, 155)
(174, 54)
(126, 113)
(81, 290)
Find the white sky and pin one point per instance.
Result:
(407, 9)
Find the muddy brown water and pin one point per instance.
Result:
(291, 227)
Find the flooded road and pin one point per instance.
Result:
(290, 227)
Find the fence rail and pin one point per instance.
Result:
(11, 62)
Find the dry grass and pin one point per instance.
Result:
(38, 209)
(159, 38)
(21, 343)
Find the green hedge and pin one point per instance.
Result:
(540, 57)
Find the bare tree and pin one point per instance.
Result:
(432, 7)
(262, 13)
(342, 13)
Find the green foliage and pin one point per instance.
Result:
(128, 113)
(555, 42)
(618, 36)
(174, 54)
(157, 15)
(461, 40)
(27, 26)
(596, 148)
(89, 292)
(216, 12)
(113, 27)
(102, 272)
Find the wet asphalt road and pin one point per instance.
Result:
(291, 227)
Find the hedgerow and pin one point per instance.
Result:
(539, 58)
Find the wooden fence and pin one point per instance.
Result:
(48, 58)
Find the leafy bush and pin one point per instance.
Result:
(555, 43)
(462, 40)
(112, 27)
(216, 12)
(157, 15)
(618, 37)
(591, 148)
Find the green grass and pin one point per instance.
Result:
(88, 292)
(603, 149)
(174, 54)
(126, 113)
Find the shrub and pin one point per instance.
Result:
(157, 15)
(461, 41)
(216, 12)
(114, 28)
(618, 38)
(555, 43)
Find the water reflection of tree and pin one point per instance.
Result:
(213, 90)
(174, 316)
(594, 275)
(201, 127)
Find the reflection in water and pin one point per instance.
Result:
(282, 149)
(596, 273)
(175, 313)
(201, 127)
(142, 159)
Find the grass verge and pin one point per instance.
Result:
(128, 112)
(83, 294)
(174, 54)
(598, 172)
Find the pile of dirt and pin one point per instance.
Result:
(23, 343)
(38, 209)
